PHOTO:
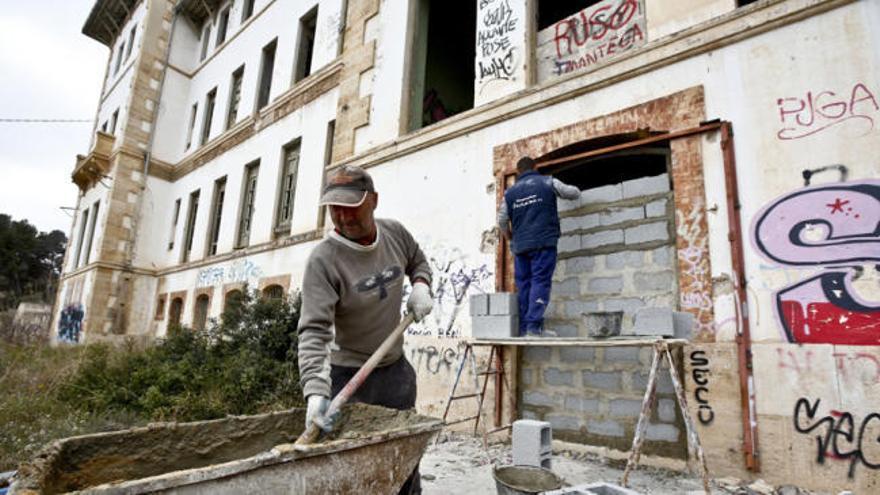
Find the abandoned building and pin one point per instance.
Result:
(727, 153)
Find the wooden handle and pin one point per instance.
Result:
(312, 431)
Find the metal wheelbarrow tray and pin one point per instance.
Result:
(373, 451)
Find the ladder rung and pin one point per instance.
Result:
(471, 418)
(468, 396)
(489, 372)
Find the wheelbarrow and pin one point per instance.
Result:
(373, 450)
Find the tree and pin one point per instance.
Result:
(30, 261)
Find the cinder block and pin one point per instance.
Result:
(645, 186)
(625, 407)
(563, 422)
(605, 285)
(602, 238)
(653, 281)
(555, 376)
(658, 231)
(568, 243)
(576, 354)
(581, 404)
(568, 287)
(621, 260)
(603, 324)
(601, 380)
(502, 303)
(606, 428)
(494, 326)
(622, 354)
(656, 208)
(576, 309)
(579, 265)
(682, 324)
(532, 443)
(661, 433)
(593, 489)
(479, 305)
(604, 194)
(654, 322)
(619, 215)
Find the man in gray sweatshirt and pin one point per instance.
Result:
(351, 296)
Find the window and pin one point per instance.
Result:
(91, 236)
(81, 237)
(743, 3)
(175, 311)
(190, 226)
(234, 96)
(248, 197)
(305, 44)
(192, 124)
(200, 317)
(130, 42)
(119, 58)
(216, 215)
(160, 308)
(174, 219)
(289, 167)
(104, 127)
(328, 158)
(113, 120)
(222, 24)
(273, 292)
(210, 101)
(267, 66)
(247, 10)
(206, 40)
(233, 300)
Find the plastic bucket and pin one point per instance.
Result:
(524, 480)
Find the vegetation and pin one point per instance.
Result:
(244, 364)
(30, 262)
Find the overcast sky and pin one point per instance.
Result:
(48, 70)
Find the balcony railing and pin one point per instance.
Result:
(92, 167)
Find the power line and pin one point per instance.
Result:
(29, 121)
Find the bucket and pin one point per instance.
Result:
(524, 480)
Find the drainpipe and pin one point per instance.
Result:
(743, 336)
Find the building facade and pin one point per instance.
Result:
(726, 153)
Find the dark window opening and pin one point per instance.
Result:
(174, 218)
(119, 58)
(114, 119)
(222, 26)
(192, 124)
(552, 11)
(175, 311)
(234, 96)
(287, 192)
(743, 3)
(130, 41)
(267, 66)
(160, 308)
(210, 102)
(91, 237)
(247, 10)
(216, 215)
(442, 61)
(200, 316)
(248, 199)
(190, 225)
(306, 44)
(273, 292)
(233, 300)
(328, 158)
(81, 237)
(206, 40)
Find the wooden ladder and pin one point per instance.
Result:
(495, 366)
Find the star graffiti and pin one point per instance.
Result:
(837, 205)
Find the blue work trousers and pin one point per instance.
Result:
(533, 275)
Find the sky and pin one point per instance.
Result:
(48, 70)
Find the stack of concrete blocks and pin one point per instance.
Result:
(494, 316)
(593, 489)
(532, 443)
(662, 322)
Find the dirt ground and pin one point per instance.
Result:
(459, 464)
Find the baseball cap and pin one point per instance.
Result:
(348, 186)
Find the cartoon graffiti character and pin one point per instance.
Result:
(836, 227)
(70, 323)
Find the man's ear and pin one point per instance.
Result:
(375, 197)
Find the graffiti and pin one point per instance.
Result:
(852, 367)
(593, 35)
(834, 228)
(695, 292)
(840, 434)
(809, 173)
(497, 27)
(814, 113)
(434, 360)
(700, 372)
(70, 323)
(240, 271)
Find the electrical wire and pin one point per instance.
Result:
(29, 121)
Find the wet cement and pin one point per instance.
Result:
(528, 480)
(86, 461)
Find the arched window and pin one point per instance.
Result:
(274, 292)
(175, 311)
(233, 298)
(200, 317)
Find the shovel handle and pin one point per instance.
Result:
(312, 431)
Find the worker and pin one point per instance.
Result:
(351, 299)
(529, 206)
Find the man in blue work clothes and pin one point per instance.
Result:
(529, 206)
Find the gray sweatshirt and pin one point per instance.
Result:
(352, 295)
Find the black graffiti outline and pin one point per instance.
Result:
(698, 358)
(833, 432)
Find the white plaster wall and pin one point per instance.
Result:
(666, 17)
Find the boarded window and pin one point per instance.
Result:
(216, 215)
(248, 197)
(210, 103)
(190, 225)
(305, 44)
(200, 314)
(289, 169)
(175, 311)
(267, 67)
(234, 96)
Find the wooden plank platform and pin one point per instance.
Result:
(577, 342)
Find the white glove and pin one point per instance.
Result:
(316, 410)
(420, 302)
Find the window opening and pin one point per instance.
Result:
(273, 292)
(119, 55)
(91, 235)
(233, 300)
(190, 225)
(441, 66)
(267, 66)
(210, 102)
(104, 127)
(306, 44)
(81, 237)
(174, 219)
(160, 308)
(234, 96)
(175, 311)
(222, 26)
(216, 215)
(192, 124)
(113, 121)
(328, 158)
(247, 10)
(247, 204)
(743, 3)
(200, 316)
(130, 41)
(289, 168)
(552, 11)
(206, 40)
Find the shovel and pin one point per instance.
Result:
(313, 430)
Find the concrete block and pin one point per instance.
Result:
(567, 204)
(526, 377)
(657, 231)
(606, 428)
(622, 354)
(644, 186)
(661, 433)
(602, 238)
(664, 383)
(576, 354)
(601, 380)
(625, 407)
(502, 303)
(479, 304)
(682, 324)
(533, 398)
(593, 489)
(568, 287)
(666, 410)
(568, 243)
(653, 281)
(653, 322)
(531, 443)
(619, 261)
(564, 422)
(529, 415)
(629, 305)
(583, 264)
(581, 404)
(576, 309)
(555, 376)
(656, 208)
(662, 255)
(536, 354)
(494, 326)
(604, 194)
(569, 224)
(614, 216)
(605, 285)
(603, 324)
(562, 329)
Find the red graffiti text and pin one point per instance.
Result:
(816, 111)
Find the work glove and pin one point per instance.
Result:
(316, 410)
(420, 302)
